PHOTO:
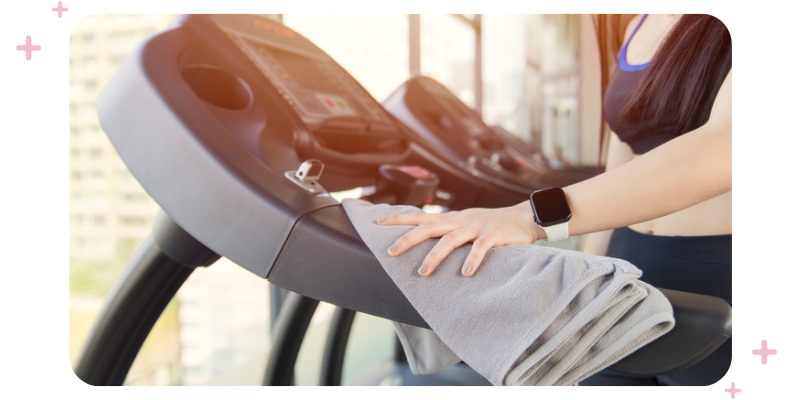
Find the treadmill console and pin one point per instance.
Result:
(455, 115)
(341, 116)
(436, 115)
(310, 81)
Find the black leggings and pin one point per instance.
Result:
(696, 264)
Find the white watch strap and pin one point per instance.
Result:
(558, 232)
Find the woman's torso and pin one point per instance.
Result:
(711, 217)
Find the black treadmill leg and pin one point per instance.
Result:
(150, 280)
(290, 329)
(276, 296)
(146, 287)
(335, 347)
(399, 353)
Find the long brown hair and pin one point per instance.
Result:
(681, 82)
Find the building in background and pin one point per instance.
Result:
(110, 214)
(109, 211)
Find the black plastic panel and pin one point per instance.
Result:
(325, 259)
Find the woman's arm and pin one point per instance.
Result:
(687, 170)
(680, 173)
(618, 153)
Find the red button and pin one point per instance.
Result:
(329, 102)
(415, 171)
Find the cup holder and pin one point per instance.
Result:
(218, 87)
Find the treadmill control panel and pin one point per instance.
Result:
(306, 78)
(465, 117)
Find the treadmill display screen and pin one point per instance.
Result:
(473, 125)
(307, 72)
(310, 82)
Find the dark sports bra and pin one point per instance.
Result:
(643, 134)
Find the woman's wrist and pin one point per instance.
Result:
(525, 210)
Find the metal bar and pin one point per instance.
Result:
(478, 65)
(290, 329)
(414, 63)
(276, 296)
(336, 346)
(147, 285)
(472, 23)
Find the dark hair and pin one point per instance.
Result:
(681, 82)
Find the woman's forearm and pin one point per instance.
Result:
(682, 172)
(685, 171)
(597, 243)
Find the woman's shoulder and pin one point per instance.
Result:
(630, 21)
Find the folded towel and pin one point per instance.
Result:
(531, 315)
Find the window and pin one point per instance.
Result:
(132, 221)
(447, 54)
(94, 131)
(132, 197)
(122, 39)
(504, 68)
(89, 65)
(553, 104)
(95, 153)
(124, 176)
(372, 48)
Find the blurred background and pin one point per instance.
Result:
(536, 76)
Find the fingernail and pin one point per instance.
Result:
(392, 249)
(468, 270)
(381, 220)
(422, 269)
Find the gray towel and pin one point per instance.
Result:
(531, 315)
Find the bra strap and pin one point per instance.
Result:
(634, 31)
(622, 59)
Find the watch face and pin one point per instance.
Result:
(550, 207)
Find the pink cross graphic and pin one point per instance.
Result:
(60, 9)
(733, 390)
(764, 352)
(28, 48)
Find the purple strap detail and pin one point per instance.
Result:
(623, 53)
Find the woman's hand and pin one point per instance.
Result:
(485, 228)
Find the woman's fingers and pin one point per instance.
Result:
(421, 233)
(489, 238)
(410, 219)
(445, 246)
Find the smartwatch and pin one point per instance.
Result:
(551, 211)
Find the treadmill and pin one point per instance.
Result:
(239, 128)
(436, 116)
